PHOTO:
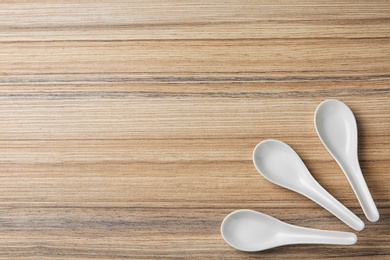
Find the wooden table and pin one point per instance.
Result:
(127, 128)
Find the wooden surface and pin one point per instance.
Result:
(127, 128)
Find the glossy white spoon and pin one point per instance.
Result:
(281, 165)
(250, 231)
(336, 127)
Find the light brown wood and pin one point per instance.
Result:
(127, 127)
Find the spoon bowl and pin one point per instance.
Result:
(251, 231)
(281, 165)
(336, 127)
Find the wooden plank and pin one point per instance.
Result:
(127, 127)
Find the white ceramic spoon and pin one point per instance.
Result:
(336, 127)
(281, 165)
(250, 231)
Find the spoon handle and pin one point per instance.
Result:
(359, 186)
(301, 235)
(317, 193)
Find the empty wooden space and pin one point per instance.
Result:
(127, 127)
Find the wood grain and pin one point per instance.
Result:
(127, 127)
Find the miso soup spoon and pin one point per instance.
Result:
(251, 231)
(336, 126)
(281, 165)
